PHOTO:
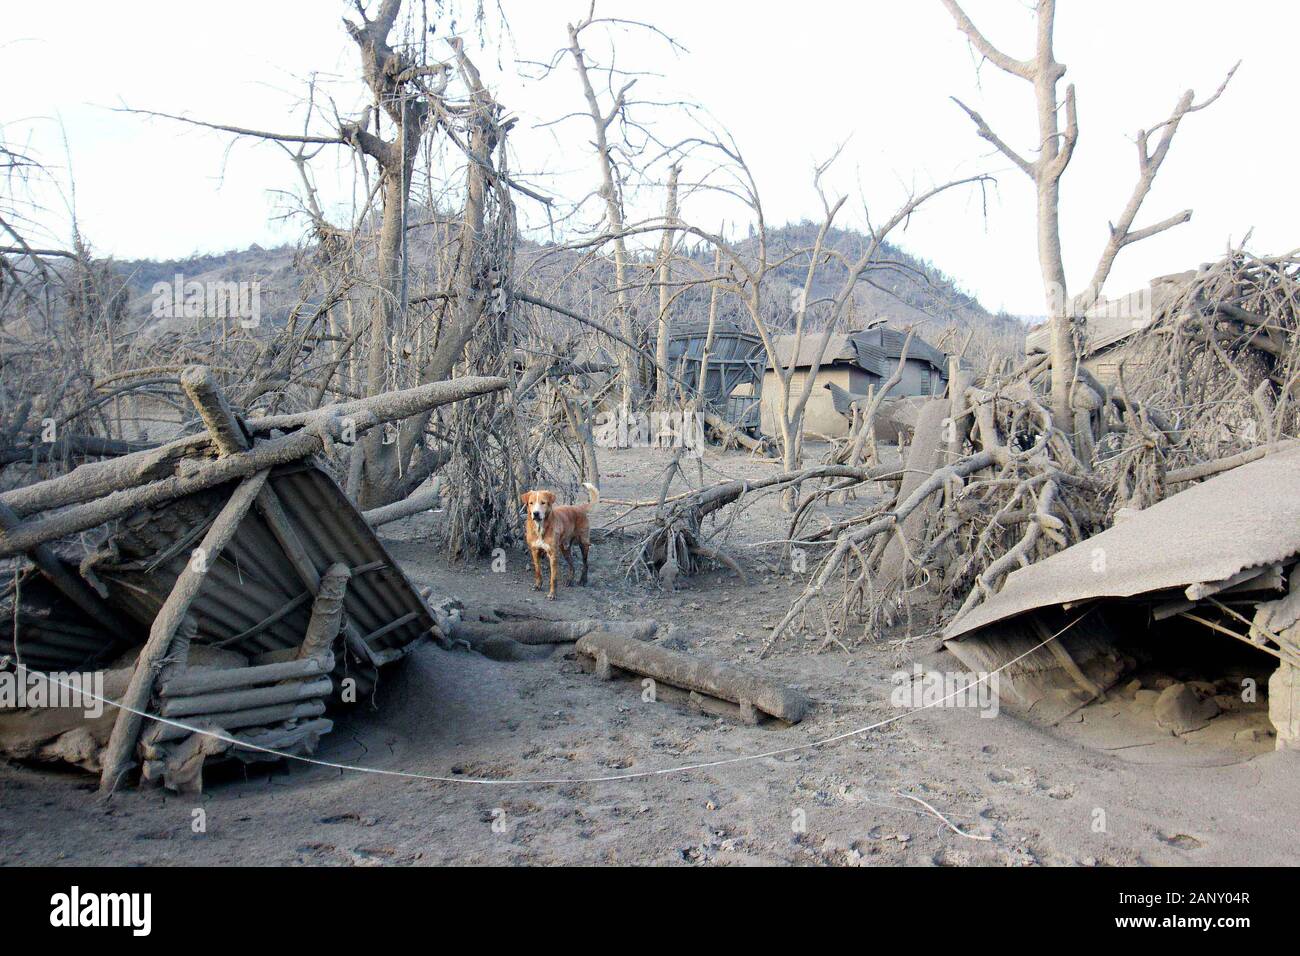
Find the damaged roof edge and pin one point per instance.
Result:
(1245, 518)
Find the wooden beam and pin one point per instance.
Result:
(326, 612)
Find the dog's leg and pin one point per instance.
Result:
(555, 571)
(568, 560)
(537, 568)
(585, 545)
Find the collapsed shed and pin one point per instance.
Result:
(854, 363)
(724, 363)
(1206, 579)
(1112, 325)
(231, 586)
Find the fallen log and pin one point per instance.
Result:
(550, 632)
(233, 678)
(234, 701)
(258, 717)
(730, 432)
(99, 479)
(404, 509)
(722, 681)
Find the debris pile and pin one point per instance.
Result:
(1173, 589)
(225, 573)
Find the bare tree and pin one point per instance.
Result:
(664, 326)
(1055, 149)
(411, 94)
(611, 192)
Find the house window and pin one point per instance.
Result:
(925, 380)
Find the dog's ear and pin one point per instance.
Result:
(523, 499)
(548, 497)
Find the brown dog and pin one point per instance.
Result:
(552, 529)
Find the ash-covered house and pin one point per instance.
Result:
(852, 363)
(1111, 323)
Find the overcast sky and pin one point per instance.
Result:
(790, 82)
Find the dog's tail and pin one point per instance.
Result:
(595, 495)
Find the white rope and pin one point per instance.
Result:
(948, 823)
(552, 781)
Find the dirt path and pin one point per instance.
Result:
(1041, 797)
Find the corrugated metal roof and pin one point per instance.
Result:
(1111, 321)
(52, 633)
(253, 580)
(1245, 518)
(875, 350)
(883, 345)
(838, 349)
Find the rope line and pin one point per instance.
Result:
(554, 781)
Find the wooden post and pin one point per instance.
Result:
(326, 612)
(126, 730)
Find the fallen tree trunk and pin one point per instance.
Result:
(551, 632)
(730, 432)
(234, 701)
(691, 673)
(924, 457)
(405, 508)
(99, 479)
